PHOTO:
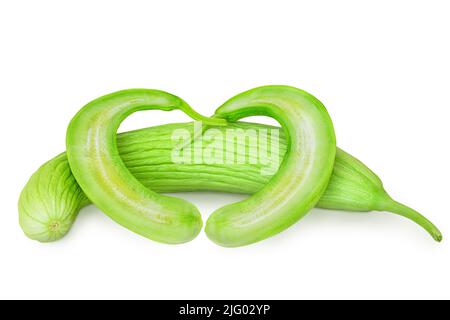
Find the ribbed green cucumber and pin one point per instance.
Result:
(51, 200)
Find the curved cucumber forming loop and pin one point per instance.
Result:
(302, 177)
(99, 170)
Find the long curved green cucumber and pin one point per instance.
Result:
(302, 177)
(51, 200)
(99, 170)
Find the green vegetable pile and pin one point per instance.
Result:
(124, 174)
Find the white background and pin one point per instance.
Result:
(380, 67)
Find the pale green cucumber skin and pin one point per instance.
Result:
(99, 170)
(51, 200)
(302, 177)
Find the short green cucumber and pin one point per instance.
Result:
(98, 168)
(302, 177)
